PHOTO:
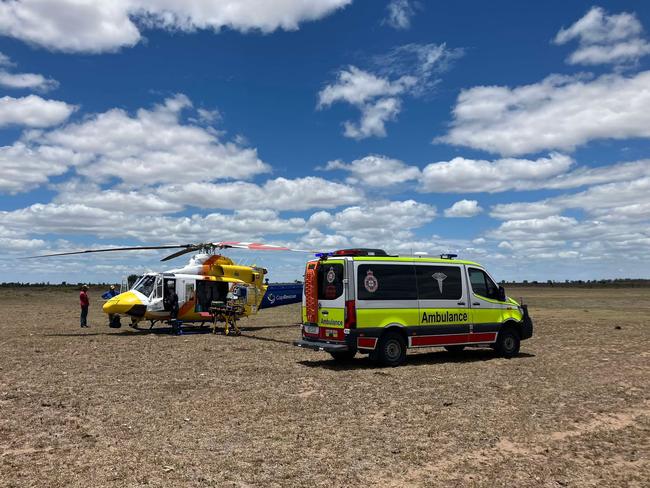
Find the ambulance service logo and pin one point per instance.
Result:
(439, 277)
(331, 275)
(370, 282)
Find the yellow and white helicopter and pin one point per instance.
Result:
(210, 288)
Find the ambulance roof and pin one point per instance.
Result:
(410, 259)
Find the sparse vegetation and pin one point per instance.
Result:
(104, 407)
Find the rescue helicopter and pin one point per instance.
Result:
(210, 288)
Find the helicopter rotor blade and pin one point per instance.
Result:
(184, 249)
(111, 249)
(255, 246)
(181, 252)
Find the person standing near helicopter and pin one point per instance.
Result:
(113, 319)
(171, 300)
(84, 302)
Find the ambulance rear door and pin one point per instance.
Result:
(331, 298)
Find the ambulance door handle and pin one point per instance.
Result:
(325, 312)
(475, 304)
(460, 303)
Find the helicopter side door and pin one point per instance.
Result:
(157, 302)
(185, 289)
(169, 286)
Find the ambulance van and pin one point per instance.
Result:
(363, 300)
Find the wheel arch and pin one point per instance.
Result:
(399, 328)
(512, 324)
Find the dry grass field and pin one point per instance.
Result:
(104, 407)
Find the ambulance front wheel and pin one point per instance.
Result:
(508, 343)
(391, 350)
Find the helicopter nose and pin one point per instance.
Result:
(126, 303)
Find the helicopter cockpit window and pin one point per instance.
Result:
(136, 282)
(145, 285)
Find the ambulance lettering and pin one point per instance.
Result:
(445, 317)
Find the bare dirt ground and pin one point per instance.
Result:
(105, 407)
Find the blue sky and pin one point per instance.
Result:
(512, 133)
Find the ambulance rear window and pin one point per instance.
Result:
(330, 281)
(386, 282)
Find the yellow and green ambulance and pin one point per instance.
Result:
(363, 300)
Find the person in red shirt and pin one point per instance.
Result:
(84, 302)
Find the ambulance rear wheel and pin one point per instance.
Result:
(391, 350)
(455, 349)
(508, 343)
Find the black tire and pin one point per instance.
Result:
(455, 349)
(115, 322)
(343, 356)
(508, 343)
(391, 350)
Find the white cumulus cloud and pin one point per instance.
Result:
(33, 111)
(410, 70)
(373, 95)
(559, 112)
(620, 200)
(605, 39)
(276, 194)
(475, 175)
(463, 208)
(31, 81)
(381, 221)
(100, 26)
(23, 167)
(82, 219)
(376, 171)
(153, 146)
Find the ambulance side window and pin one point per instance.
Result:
(386, 282)
(330, 281)
(439, 282)
(482, 284)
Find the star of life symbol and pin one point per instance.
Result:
(331, 275)
(439, 277)
(370, 282)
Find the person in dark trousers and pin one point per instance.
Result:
(113, 319)
(84, 302)
(173, 299)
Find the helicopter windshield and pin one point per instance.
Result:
(145, 285)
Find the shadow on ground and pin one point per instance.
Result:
(434, 357)
(187, 330)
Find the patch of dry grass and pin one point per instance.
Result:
(104, 407)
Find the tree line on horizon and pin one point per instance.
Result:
(578, 283)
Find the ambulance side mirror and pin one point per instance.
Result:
(502, 294)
